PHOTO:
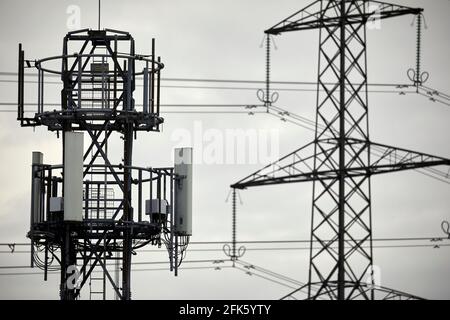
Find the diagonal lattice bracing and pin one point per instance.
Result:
(341, 159)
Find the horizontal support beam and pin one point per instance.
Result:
(317, 15)
(389, 159)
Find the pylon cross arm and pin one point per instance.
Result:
(383, 159)
(323, 13)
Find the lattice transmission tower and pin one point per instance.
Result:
(342, 159)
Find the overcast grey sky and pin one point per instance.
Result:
(221, 39)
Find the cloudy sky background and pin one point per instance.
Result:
(221, 39)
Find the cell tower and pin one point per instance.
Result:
(342, 159)
(94, 209)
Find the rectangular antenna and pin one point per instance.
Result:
(183, 191)
(73, 176)
(36, 187)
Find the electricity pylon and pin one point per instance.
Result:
(340, 161)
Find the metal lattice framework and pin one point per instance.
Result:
(340, 161)
(99, 70)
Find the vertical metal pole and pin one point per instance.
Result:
(128, 212)
(48, 195)
(140, 195)
(86, 201)
(46, 261)
(103, 83)
(158, 86)
(152, 84)
(115, 71)
(267, 98)
(42, 209)
(64, 65)
(145, 89)
(99, 8)
(104, 273)
(80, 67)
(130, 78)
(176, 256)
(133, 67)
(341, 236)
(125, 86)
(42, 91)
(151, 189)
(19, 84)
(62, 285)
(105, 185)
(164, 187)
(20, 111)
(98, 200)
(68, 258)
(66, 92)
(171, 220)
(158, 196)
(117, 274)
(39, 90)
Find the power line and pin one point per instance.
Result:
(263, 249)
(169, 112)
(14, 267)
(240, 81)
(173, 105)
(435, 99)
(265, 278)
(214, 261)
(250, 266)
(399, 91)
(438, 238)
(200, 106)
(187, 261)
(377, 151)
(99, 271)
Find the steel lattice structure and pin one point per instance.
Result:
(99, 70)
(340, 161)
